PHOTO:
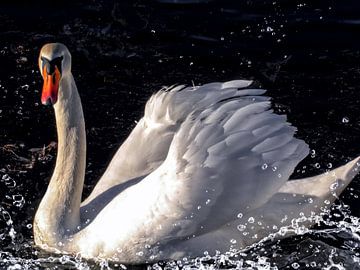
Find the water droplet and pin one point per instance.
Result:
(295, 265)
(140, 253)
(233, 241)
(327, 202)
(329, 165)
(15, 267)
(251, 220)
(198, 207)
(345, 120)
(12, 233)
(9, 182)
(241, 227)
(317, 165)
(240, 215)
(25, 87)
(64, 259)
(264, 166)
(313, 153)
(274, 168)
(7, 217)
(207, 201)
(29, 226)
(18, 200)
(334, 186)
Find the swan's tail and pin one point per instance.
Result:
(326, 186)
(306, 197)
(303, 197)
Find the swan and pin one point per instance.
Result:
(206, 168)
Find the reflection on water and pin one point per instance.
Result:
(305, 53)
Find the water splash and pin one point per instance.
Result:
(309, 248)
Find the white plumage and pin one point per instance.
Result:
(198, 157)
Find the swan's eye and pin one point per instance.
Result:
(57, 62)
(51, 64)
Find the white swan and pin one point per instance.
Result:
(198, 158)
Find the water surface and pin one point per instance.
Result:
(306, 53)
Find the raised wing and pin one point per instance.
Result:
(229, 157)
(148, 144)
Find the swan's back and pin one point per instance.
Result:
(224, 152)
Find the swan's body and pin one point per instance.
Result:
(198, 157)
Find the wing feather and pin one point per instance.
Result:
(148, 144)
(229, 157)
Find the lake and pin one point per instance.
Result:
(305, 53)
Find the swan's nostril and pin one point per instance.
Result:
(47, 102)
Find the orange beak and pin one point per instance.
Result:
(50, 89)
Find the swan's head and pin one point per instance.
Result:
(54, 64)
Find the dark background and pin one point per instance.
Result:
(306, 53)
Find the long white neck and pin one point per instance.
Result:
(59, 212)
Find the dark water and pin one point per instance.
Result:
(306, 53)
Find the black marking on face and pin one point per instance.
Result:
(50, 65)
